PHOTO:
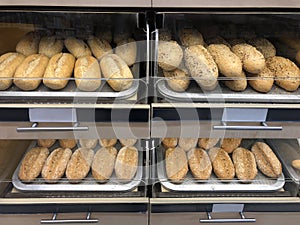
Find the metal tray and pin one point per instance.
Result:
(88, 184)
(224, 94)
(260, 184)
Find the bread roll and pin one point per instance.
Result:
(229, 144)
(127, 50)
(266, 160)
(104, 163)
(236, 41)
(99, 47)
(238, 83)
(87, 73)
(297, 57)
(296, 164)
(47, 143)
(190, 36)
(59, 70)
(116, 70)
(79, 165)
(178, 80)
(128, 142)
(169, 142)
(287, 74)
(29, 44)
(105, 33)
(88, 143)
(9, 62)
(107, 142)
(199, 163)
(126, 163)
(253, 60)
(244, 164)
(264, 46)
(202, 67)
(33, 163)
(120, 35)
(56, 164)
(165, 34)
(176, 164)
(187, 143)
(29, 74)
(78, 48)
(292, 42)
(262, 82)
(67, 143)
(222, 164)
(50, 46)
(207, 143)
(170, 55)
(217, 40)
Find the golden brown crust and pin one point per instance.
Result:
(238, 83)
(29, 74)
(47, 143)
(127, 50)
(33, 163)
(178, 80)
(56, 164)
(67, 143)
(50, 46)
(88, 143)
(262, 82)
(107, 142)
(187, 143)
(78, 48)
(176, 164)
(229, 144)
(266, 160)
(207, 143)
(264, 46)
(244, 163)
(128, 141)
(199, 163)
(170, 55)
(296, 164)
(99, 47)
(169, 142)
(222, 164)
(190, 36)
(29, 44)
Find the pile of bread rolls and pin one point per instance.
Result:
(225, 157)
(53, 61)
(238, 62)
(76, 163)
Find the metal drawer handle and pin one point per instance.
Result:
(55, 221)
(35, 128)
(263, 126)
(243, 219)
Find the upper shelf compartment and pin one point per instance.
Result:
(227, 56)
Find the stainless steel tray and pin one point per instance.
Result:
(260, 184)
(224, 94)
(88, 184)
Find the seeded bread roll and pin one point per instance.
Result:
(29, 74)
(222, 164)
(264, 46)
(33, 163)
(104, 163)
(201, 66)
(88, 143)
(199, 163)
(78, 48)
(50, 46)
(207, 143)
(169, 142)
(9, 62)
(252, 59)
(190, 36)
(237, 83)
(229, 64)
(29, 44)
(176, 164)
(178, 80)
(47, 143)
(79, 165)
(126, 163)
(236, 41)
(105, 33)
(187, 143)
(297, 57)
(287, 74)
(87, 73)
(217, 40)
(67, 143)
(229, 144)
(56, 164)
(128, 142)
(116, 70)
(266, 160)
(99, 47)
(169, 55)
(165, 34)
(127, 50)
(262, 82)
(244, 163)
(296, 164)
(107, 142)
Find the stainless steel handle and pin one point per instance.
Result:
(35, 128)
(56, 221)
(263, 126)
(243, 219)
